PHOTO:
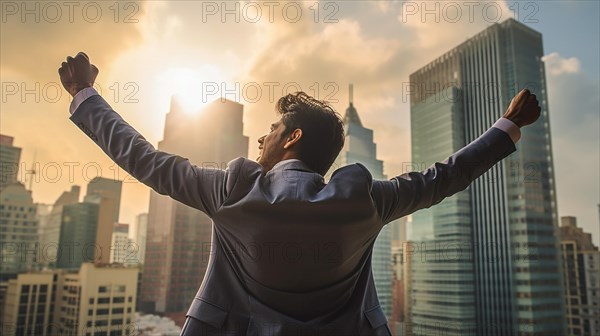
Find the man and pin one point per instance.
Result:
(291, 255)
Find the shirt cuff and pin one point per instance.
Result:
(80, 97)
(509, 127)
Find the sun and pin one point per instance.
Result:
(193, 87)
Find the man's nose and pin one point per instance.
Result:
(261, 139)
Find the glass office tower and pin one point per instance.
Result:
(486, 260)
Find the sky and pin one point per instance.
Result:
(255, 52)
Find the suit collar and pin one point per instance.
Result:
(291, 164)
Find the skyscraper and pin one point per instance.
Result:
(107, 194)
(19, 249)
(86, 228)
(9, 160)
(77, 242)
(107, 187)
(121, 247)
(488, 260)
(359, 147)
(139, 237)
(581, 269)
(179, 237)
(49, 233)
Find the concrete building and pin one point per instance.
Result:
(489, 257)
(178, 236)
(95, 300)
(122, 248)
(30, 304)
(10, 157)
(18, 231)
(581, 269)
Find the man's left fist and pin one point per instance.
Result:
(77, 73)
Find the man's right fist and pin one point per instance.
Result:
(524, 109)
(77, 73)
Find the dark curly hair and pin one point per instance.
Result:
(322, 129)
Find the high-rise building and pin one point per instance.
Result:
(489, 257)
(107, 187)
(139, 238)
(179, 237)
(9, 161)
(107, 194)
(77, 242)
(92, 300)
(122, 249)
(49, 232)
(581, 269)
(19, 247)
(359, 147)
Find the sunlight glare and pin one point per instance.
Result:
(187, 84)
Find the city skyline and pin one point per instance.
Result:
(381, 69)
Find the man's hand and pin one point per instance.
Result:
(77, 73)
(524, 109)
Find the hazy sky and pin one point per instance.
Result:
(148, 50)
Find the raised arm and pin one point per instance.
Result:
(168, 174)
(407, 193)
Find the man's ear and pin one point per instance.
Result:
(293, 138)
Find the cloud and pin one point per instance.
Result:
(575, 126)
(37, 36)
(557, 65)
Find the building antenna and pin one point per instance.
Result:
(351, 88)
(32, 171)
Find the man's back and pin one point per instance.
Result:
(294, 238)
(291, 255)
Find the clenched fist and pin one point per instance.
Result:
(77, 73)
(524, 109)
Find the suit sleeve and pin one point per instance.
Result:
(409, 192)
(167, 174)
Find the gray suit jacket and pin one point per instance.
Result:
(291, 254)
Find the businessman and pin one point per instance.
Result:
(291, 254)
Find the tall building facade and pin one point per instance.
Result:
(179, 237)
(49, 233)
(19, 248)
(122, 249)
(106, 193)
(9, 161)
(78, 232)
(139, 237)
(359, 147)
(581, 269)
(109, 188)
(488, 260)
